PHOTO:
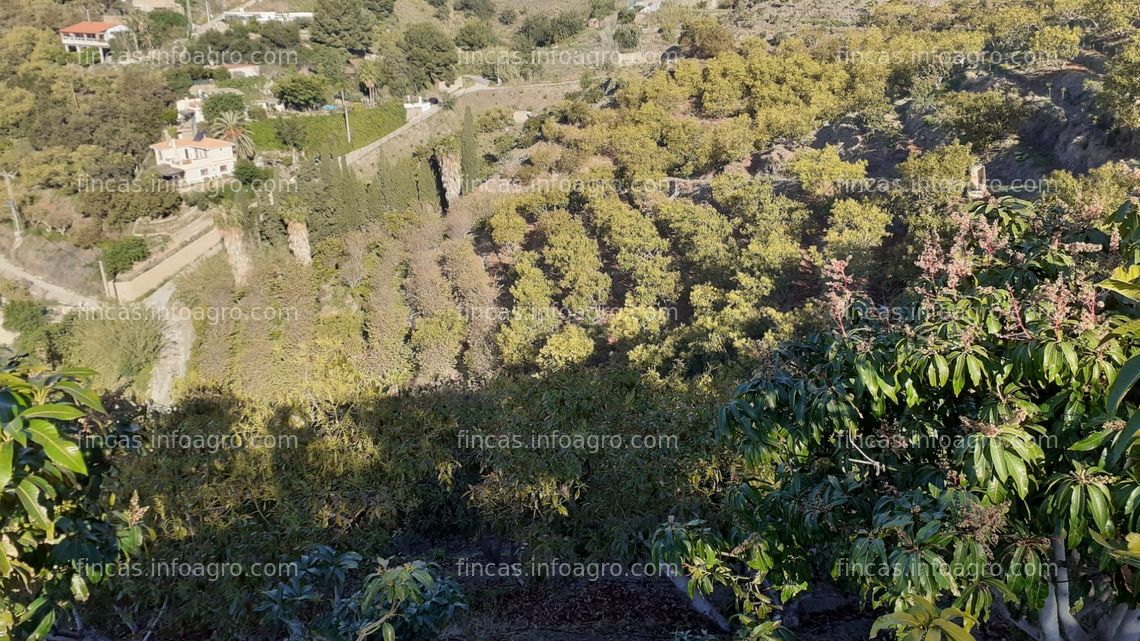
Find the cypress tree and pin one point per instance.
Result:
(469, 160)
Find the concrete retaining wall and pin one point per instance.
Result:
(138, 285)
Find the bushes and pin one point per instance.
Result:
(1120, 96)
(59, 528)
(123, 346)
(980, 119)
(301, 92)
(327, 132)
(706, 38)
(627, 37)
(121, 255)
(983, 430)
(475, 34)
(482, 9)
(823, 174)
(1057, 45)
(573, 256)
(220, 103)
(854, 233)
(545, 30)
(411, 600)
(569, 346)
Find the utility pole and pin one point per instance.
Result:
(347, 128)
(12, 206)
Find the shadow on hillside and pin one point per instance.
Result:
(523, 469)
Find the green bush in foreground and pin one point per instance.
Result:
(57, 528)
(978, 454)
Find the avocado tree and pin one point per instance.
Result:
(57, 529)
(967, 454)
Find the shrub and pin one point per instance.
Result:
(121, 255)
(823, 174)
(1120, 96)
(249, 174)
(957, 456)
(57, 516)
(475, 34)
(220, 103)
(569, 346)
(627, 37)
(706, 38)
(508, 16)
(301, 92)
(122, 347)
(1057, 45)
(408, 601)
(981, 119)
(482, 9)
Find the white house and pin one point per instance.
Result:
(92, 35)
(190, 112)
(265, 16)
(192, 161)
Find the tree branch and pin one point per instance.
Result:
(1022, 624)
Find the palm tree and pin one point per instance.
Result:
(295, 214)
(370, 74)
(231, 127)
(229, 222)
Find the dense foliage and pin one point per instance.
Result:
(967, 446)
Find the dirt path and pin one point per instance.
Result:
(178, 332)
(40, 288)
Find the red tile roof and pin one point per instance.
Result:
(88, 28)
(204, 143)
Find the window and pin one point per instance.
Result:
(223, 168)
(205, 172)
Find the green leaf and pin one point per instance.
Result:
(57, 411)
(59, 449)
(1124, 440)
(953, 630)
(29, 495)
(389, 632)
(997, 457)
(7, 553)
(1099, 508)
(79, 588)
(1019, 474)
(44, 627)
(7, 451)
(81, 395)
(1125, 379)
(1090, 442)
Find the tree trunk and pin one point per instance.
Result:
(233, 239)
(299, 241)
(699, 602)
(450, 176)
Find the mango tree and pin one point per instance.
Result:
(967, 454)
(57, 529)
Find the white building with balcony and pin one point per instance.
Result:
(92, 35)
(193, 161)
